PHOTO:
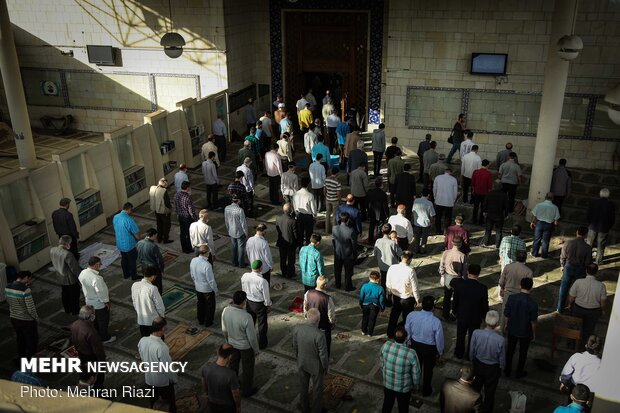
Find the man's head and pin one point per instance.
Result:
(344, 218)
(400, 209)
(508, 145)
(594, 345)
(239, 297)
(305, 181)
(492, 319)
(521, 256)
(374, 276)
(87, 312)
(319, 138)
(247, 161)
(64, 241)
(592, 269)
(151, 272)
(473, 270)
(128, 207)
(459, 220)
(426, 192)
(315, 239)
(225, 353)
(562, 162)
(470, 135)
(549, 196)
(428, 137)
(182, 167)
(461, 117)
(291, 167)
(151, 234)
(65, 202)
(582, 232)
(261, 229)
(428, 302)
(257, 266)
(211, 155)
(515, 230)
(400, 335)
(235, 199)
(239, 175)
(350, 199)
(386, 229)
(466, 373)
(474, 148)
(319, 157)
(185, 186)
(246, 143)
(203, 250)
(286, 208)
(211, 137)
(203, 215)
(94, 262)
(253, 130)
(485, 162)
(163, 182)
(457, 242)
(25, 277)
(321, 282)
(407, 257)
(335, 171)
(604, 193)
(313, 316)
(580, 394)
(512, 155)
(394, 140)
(433, 144)
(406, 167)
(159, 326)
(526, 284)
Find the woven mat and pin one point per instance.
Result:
(181, 343)
(334, 387)
(108, 254)
(169, 258)
(176, 296)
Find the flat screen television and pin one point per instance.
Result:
(488, 63)
(100, 55)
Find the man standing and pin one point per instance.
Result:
(86, 341)
(423, 213)
(495, 207)
(401, 372)
(342, 130)
(378, 211)
(521, 314)
(152, 349)
(345, 252)
(201, 271)
(200, 233)
(387, 253)
(321, 148)
(394, 167)
(588, 298)
(453, 265)
(285, 152)
(186, 213)
(319, 299)
(481, 185)
(423, 146)
(180, 177)
(310, 350)
(560, 184)
(426, 338)
(150, 256)
(471, 302)
(402, 286)
(289, 183)
(273, 168)
(305, 118)
(487, 354)
(392, 150)
(267, 125)
(503, 155)
(332, 122)
(576, 255)
(332, 198)
(355, 219)
(209, 172)
(305, 209)
(460, 396)
(511, 276)
(237, 228)
(317, 179)
(372, 300)
(161, 206)
(437, 169)
(246, 152)
(510, 246)
(311, 262)
(402, 226)
(429, 158)
(602, 217)
(23, 314)
(220, 385)
(545, 217)
(404, 189)
(219, 132)
(64, 224)
(580, 400)
(68, 270)
(287, 241)
(96, 295)
(359, 189)
(256, 288)
(248, 182)
(511, 177)
(457, 135)
(257, 248)
(457, 230)
(147, 301)
(209, 146)
(127, 235)
(239, 332)
(378, 148)
(350, 144)
(357, 156)
(468, 144)
(445, 189)
(250, 113)
(470, 162)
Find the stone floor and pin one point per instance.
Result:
(353, 355)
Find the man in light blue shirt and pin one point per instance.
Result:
(317, 180)
(487, 354)
(206, 288)
(545, 216)
(321, 148)
(127, 235)
(423, 213)
(234, 217)
(426, 338)
(180, 177)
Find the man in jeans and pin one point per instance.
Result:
(234, 217)
(423, 215)
(545, 217)
(601, 218)
(378, 148)
(201, 271)
(239, 332)
(575, 256)
(127, 235)
(458, 135)
(332, 189)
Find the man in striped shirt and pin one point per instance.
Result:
(187, 214)
(332, 189)
(23, 314)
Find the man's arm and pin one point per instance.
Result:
(159, 303)
(321, 343)
(331, 311)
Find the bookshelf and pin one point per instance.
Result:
(89, 205)
(30, 238)
(135, 180)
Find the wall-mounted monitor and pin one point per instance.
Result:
(488, 63)
(101, 55)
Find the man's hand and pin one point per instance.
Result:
(532, 225)
(108, 305)
(501, 292)
(268, 308)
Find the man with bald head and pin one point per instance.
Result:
(287, 240)
(355, 217)
(160, 204)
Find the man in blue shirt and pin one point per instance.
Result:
(426, 338)
(321, 148)
(372, 300)
(580, 397)
(127, 236)
(521, 314)
(355, 219)
(545, 217)
(311, 262)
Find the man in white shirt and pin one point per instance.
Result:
(469, 163)
(96, 295)
(219, 132)
(273, 168)
(310, 140)
(180, 177)
(152, 349)
(285, 150)
(146, 300)
(402, 226)
(317, 179)
(583, 368)
(423, 213)
(209, 146)
(267, 124)
(201, 234)
(402, 287)
(301, 103)
(332, 123)
(289, 184)
(209, 172)
(257, 248)
(248, 182)
(467, 144)
(445, 189)
(258, 303)
(201, 271)
(305, 209)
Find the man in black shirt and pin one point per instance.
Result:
(378, 211)
(391, 150)
(458, 136)
(64, 224)
(521, 315)
(404, 189)
(220, 385)
(287, 241)
(602, 217)
(470, 305)
(495, 208)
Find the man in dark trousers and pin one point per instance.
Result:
(521, 314)
(378, 211)
(23, 314)
(576, 255)
(460, 396)
(319, 299)
(471, 303)
(187, 214)
(601, 218)
(424, 146)
(64, 224)
(287, 240)
(86, 341)
(345, 252)
(404, 189)
(68, 270)
(495, 209)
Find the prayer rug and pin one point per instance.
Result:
(305, 162)
(177, 295)
(334, 388)
(108, 254)
(169, 258)
(297, 305)
(181, 343)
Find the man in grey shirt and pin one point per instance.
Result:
(510, 177)
(387, 252)
(220, 385)
(502, 156)
(68, 269)
(430, 157)
(234, 217)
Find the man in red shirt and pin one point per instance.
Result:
(482, 184)
(454, 231)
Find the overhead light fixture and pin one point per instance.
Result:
(172, 42)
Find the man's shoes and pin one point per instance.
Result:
(170, 241)
(251, 393)
(112, 339)
(364, 334)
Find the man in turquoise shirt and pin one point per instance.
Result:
(580, 397)
(311, 262)
(127, 236)
(545, 216)
(321, 148)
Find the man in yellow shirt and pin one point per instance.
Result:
(305, 118)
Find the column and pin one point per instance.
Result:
(554, 87)
(16, 99)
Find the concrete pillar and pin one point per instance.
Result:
(607, 397)
(16, 99)
(554, 87)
